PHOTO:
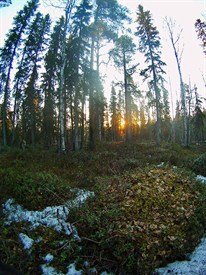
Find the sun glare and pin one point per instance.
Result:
(122, 124)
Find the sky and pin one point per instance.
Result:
(184, 12)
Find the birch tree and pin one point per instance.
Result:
(66, 29)
(175, 41)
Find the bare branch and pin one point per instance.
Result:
(50, 4)
(181, 53)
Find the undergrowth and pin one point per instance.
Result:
(142, 220)
(142, 216)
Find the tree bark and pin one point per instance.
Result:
(62, 143)
(127, 103)
(91, 103)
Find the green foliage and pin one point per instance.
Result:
(199, 165)
(33, 189)
(201, 32)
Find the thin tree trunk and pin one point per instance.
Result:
(76, 122)
(173, 116)
(91, 104)
(171, 26)
(157, 101)
(98, 121)
(82, 122)
(183, 101)
(127, 103)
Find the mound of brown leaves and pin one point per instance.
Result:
(141, 220)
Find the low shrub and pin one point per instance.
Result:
(199, 165)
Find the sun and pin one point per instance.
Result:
(122, 124)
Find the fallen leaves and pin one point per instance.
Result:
(150, 209)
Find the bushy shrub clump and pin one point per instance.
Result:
(199, 165)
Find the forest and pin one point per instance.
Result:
(97, 178)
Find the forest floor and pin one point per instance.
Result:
(125, 209)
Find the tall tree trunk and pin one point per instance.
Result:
(6, 97)
(173, 116)
(6, 87)
(82, 121)
(62, 143)
(72, 120)
(76, 121)
(183, 102)
(171, 26)
(157, 101)
(127, 103)
(91, 102)
(99, 120)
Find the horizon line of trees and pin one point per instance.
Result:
(51, 83)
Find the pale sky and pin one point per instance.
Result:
(185, 12)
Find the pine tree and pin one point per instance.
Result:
(49, 82)
(7, 56)
(108, 18)
(198, 119)
(120, 114)
(81, 20)
(201, 32)
(150, 45)
(122, 56)
(5, 3)
(165, 113)
(114, 117)
(33, 54)
(142, 119)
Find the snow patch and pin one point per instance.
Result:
(201, 179)
(48, 258)
(195, 265)
(49, 270)
(26, 241)
(72, 270)
(106, 273)
(161, 164)
(53, 216)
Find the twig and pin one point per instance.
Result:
(90, 240)
(63, 246)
